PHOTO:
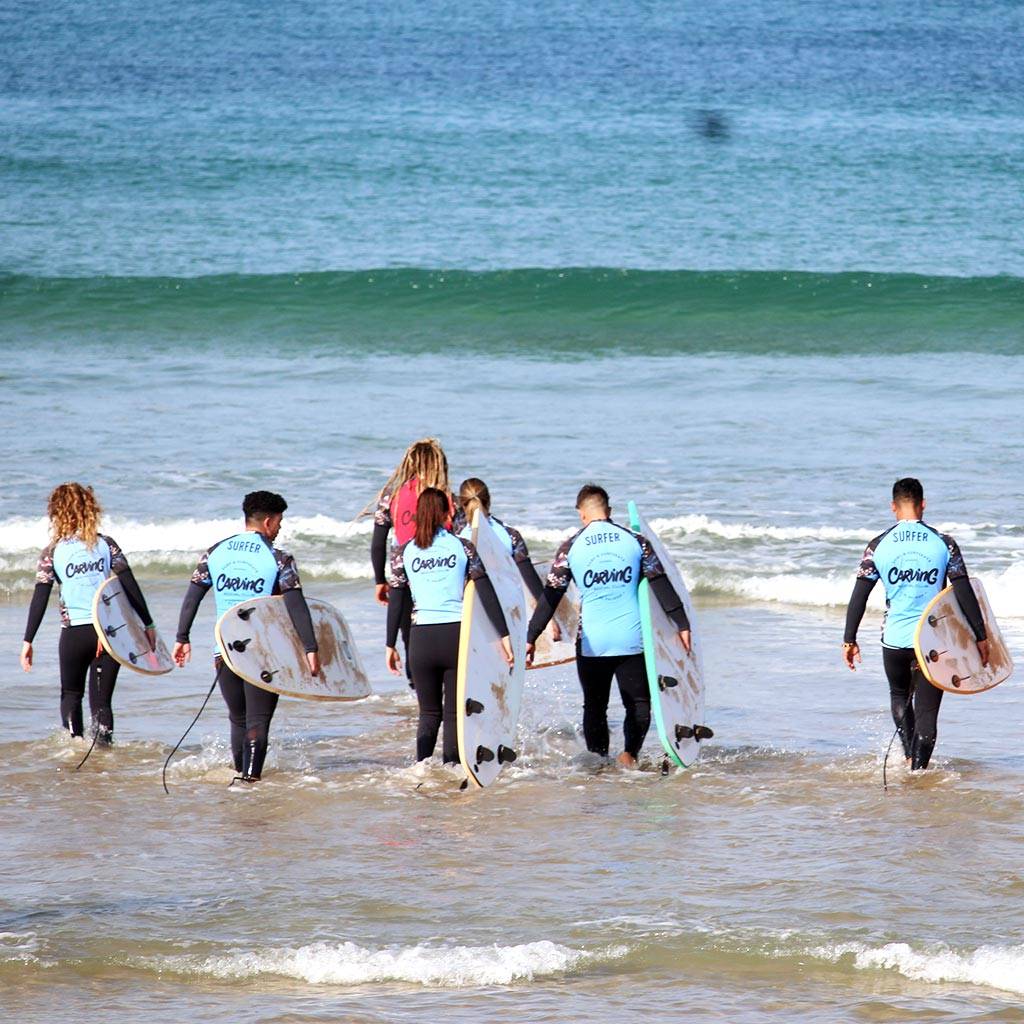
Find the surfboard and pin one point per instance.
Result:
(259, 643)
(548, 651)
(675, 678)
(123, 633)
(947, 651)
(488, 692)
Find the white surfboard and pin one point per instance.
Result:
(259, 643)
(676, 679)
(488, 692)
(123, 633)
(548, 651)
(947, 651)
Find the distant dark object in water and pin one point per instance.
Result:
(711, 124)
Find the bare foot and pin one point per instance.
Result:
(627, 760)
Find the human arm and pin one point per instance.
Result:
(956, 573)
(663, 590)
(120, 567)
(198, 587)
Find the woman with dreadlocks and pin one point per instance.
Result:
(423, 466)
(79, 558)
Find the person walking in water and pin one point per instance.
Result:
(607, 562)
(430, 572)
(423, 465)
(914, 562)
(474, 494)
(239, 568)
(79, 559)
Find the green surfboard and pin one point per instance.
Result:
(675, 678)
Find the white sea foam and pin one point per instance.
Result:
(999, 967)
(345, 963)
(1005, 589)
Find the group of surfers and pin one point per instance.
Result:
(422, 558)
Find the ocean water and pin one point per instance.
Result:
(745, 265)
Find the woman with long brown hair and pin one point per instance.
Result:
(430, 571)
(79, 558)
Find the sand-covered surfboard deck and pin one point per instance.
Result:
(488, 692)
(676, 679)
(948, 652)
(259, 643)
(547, 650)
(123, 633)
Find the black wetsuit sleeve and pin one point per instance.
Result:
(547, 603)
(670, 601)
(489, 599)
(133, 592)
(557, 584)
(298, 611)
(379, 552)
(968, 602)
(398, 598)
(189, 607)
(531, 578)
(855, 609)
(36, 610)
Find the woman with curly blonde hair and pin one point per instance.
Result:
(424, 465)
(80, 558)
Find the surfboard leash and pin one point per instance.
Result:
(163, 776)
(95, 737)
(903, 718)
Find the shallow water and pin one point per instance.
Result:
(744, 265)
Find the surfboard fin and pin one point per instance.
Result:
(244, 613)
(695, 732)
(484, 754)
(473, 707)
(665, 682)
(267, 676)
(506, 755)
(240, 645)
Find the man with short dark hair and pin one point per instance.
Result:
(238, 568)
(607, 561)
(914, 562)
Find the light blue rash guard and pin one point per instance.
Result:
(245, 566)
(436, 576)
(606, 561)
(510, 537)
(913, 561)
(80, 571)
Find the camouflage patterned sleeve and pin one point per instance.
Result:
(520, 553)
(956, 569)
(459, 520)
(867, 570)
(382, 513)
(201, 574)
(287, 572)
(44, 567)
(398, 577)
(650, 564)
(560, 575)
(118, 561)
(474, 566)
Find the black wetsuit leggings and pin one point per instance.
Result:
(915, 704)
(78, 659)
(596, 680)
(250, 710)
(433, 662)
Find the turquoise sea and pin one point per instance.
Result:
(745, 264)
